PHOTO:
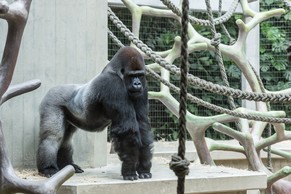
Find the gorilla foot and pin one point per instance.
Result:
(130, 177)
(145, 175)
(48, 172)
(78, 169)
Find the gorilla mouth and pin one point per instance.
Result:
(135, 93)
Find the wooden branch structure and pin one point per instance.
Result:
(250, 133)
(16, 15)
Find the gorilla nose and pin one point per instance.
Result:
(137, 85)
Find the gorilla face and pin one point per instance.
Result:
(133, 70)
(135, 82)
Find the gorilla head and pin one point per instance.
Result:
(129, 65)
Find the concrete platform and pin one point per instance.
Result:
(202, 179)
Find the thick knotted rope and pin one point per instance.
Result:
(215, 42)
(194, 80)
(217, 21)
(114, 38)
(179, 166)
(231, 39)
(194, 99)
(209, 86)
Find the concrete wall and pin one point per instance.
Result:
(64, 42)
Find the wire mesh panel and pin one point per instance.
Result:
(275, 36)
(159, 33)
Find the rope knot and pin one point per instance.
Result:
(216, 39)
(179, 166)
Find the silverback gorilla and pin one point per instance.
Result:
(116, 97)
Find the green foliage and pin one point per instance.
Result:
(274, 42)
(275, 36)
(288, 16)
(202, 64)
(159, 34)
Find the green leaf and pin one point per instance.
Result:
(233, 71)
(265, 67)
(266, 57)
(204, 58)
(278, 47)
(287, 75)
(269, 2)
(287, 16)
(274, 33)
(279, 65)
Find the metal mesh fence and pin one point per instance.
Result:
(275, 35)
(159, 34)
(155, 32)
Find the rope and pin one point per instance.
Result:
(114, 38)
(193, 80)
(216, 108)
(202, 22)
(244, 95)
(179, 164)
(231, 39)
(269, 126)
(215, 42)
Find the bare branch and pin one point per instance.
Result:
(14, 184)
(16, 15)
(285, 171)
(11, 183)
(284, 154)
(19, 89)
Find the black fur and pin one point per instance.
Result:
(118, 96)
(289, 53)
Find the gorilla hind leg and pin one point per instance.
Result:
(145, 164)
(47, 157)
(127, 148)
(52, 129)
(145, 154)
(65, 153)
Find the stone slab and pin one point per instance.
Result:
(202, 179)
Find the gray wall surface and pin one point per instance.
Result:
(64, 42)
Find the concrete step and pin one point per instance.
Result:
(202, 179)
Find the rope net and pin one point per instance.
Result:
(206, 85)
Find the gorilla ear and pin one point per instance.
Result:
(121, 73)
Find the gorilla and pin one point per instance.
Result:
(116, 97)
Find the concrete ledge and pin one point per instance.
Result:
(166, 149)
(202, 179)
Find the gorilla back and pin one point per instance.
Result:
(117, 96)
